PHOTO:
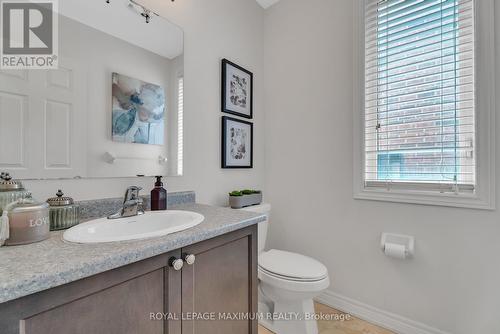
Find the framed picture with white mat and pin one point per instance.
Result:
(237, 90)
(237, 143)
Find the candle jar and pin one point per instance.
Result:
(10, 191)
(64, 213)
(28, 221)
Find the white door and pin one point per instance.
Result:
(43, 123)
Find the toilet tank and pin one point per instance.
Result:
(264, 209)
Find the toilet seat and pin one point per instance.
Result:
(291, 266)
(287, 278)
(284, 283)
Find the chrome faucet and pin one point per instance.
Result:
(132, 204)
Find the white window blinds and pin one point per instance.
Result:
(180, 125)
(419, 94)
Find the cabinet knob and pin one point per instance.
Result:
(177, 264)
(189, 258)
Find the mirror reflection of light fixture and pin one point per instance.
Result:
(141, 10)
(146, 13)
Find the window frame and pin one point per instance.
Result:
(483, 196)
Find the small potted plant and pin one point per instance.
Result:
(241, 198)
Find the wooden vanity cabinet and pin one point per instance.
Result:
(150, 297)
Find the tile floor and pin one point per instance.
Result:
(352, 326)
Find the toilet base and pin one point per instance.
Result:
(286, 301)
(288, 317)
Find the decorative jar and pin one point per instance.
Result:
(10, 191)
(64, 213)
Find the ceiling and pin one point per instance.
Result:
(267, 3)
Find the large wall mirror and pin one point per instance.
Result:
(114, 106)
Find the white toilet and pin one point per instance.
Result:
(288, 282)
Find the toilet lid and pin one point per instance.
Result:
(292, 265)
(261, 208)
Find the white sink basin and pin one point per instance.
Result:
(151, 224)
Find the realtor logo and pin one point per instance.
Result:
(29, 34)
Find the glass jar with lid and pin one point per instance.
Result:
(64, 213)
(10, 190)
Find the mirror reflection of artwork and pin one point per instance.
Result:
(138, 111)
(236, 90)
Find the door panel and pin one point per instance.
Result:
(173, 298)
(122, 309)
(222, 282)
(13, 120)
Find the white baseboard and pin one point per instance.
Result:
(388, 320)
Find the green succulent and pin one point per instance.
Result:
(244, 192)
(235, 193)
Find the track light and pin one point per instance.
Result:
(146, 13)
(108, 1)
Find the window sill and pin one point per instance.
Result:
(469, 201)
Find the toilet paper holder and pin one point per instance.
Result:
(399, 239)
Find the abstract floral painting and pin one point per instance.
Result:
(236, 90)
(138, 111)
(237, 142)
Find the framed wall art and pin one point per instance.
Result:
(237, 143)
(237, 90)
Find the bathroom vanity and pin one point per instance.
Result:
(135, 286)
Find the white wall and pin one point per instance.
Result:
(213, 30)
(452, 284)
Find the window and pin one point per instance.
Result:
(419, 94)
(180, 125)
(424, 127)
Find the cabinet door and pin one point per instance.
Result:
(126, 300)
(121, 309)
(220, 284)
